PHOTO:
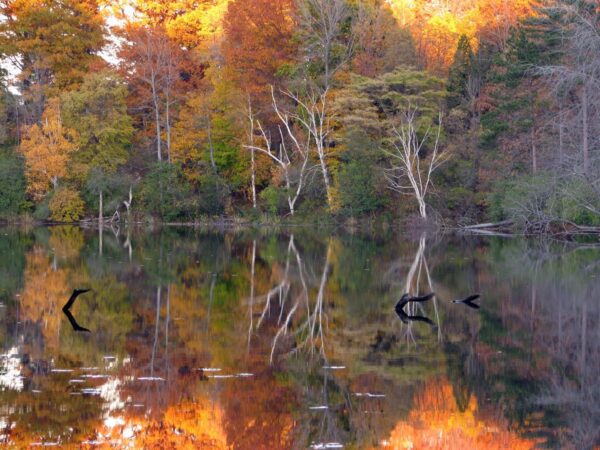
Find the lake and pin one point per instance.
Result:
(289, 339)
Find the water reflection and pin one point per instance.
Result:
(269, 340)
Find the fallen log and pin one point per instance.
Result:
(489, 225)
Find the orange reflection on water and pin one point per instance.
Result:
(186, 425)
(44, 294)
(436, 422)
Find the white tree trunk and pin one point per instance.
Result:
(326, 181)
(156, 115)
(411, 175)
(585, 137)
(100, 208)
(168, 125)
(300, 152)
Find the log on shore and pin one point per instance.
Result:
(480, 226)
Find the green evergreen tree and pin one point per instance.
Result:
(460, 74)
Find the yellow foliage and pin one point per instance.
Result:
(191, 23)
(437, 26)
(202, 25)
(46, 149)
(66, 205)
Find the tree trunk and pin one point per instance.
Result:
(533, 151)
(585, 143)
(253, 179)
(128, 203)
(156, 117)
(252, 155)
(168, 126)
(561, 135)
(100, 231)
(422, 209)
(326, 58)
(210, 146)
(326, 180)
(100, 208)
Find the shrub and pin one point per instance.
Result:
(274, 199)
(66, 205)
(12, 185)
(359, 192)
(580, 203)
(213, 195)
(535, 201)
(164, 194)
(357, 189)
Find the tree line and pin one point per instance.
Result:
(463, 111)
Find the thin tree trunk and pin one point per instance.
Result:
(326, 180)
(252, 153)
(168, 126)
(561, 135)
(585, 144)
(326, 57)
(128, 203)
(100, 230)
(210, 146)
(156, 117)
(253, 179)
(533, 151)
(422, 209)
(100, 208)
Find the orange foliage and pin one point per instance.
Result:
(191, 23)
(258, 41)
(259, 413)
(437, 26)
(44, 294)
(186, 425)
(46, 149)
(436, 422)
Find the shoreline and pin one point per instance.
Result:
(411, 227)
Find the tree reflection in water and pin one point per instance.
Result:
(262, 340)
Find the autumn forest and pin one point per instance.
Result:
(293, 224)
(452, 111)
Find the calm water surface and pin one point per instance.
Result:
(277, 340)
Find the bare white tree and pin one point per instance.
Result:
(411, 170)
(252, 153)
(322, 21)
(285, 157)
(152, 62)
(313, 116)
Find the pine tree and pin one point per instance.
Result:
(460, 74)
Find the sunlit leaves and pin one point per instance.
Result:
(47, 148)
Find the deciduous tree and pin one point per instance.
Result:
(97, 111)
(47, 148)
(258, 44)
(52, 43)
(152, 66)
